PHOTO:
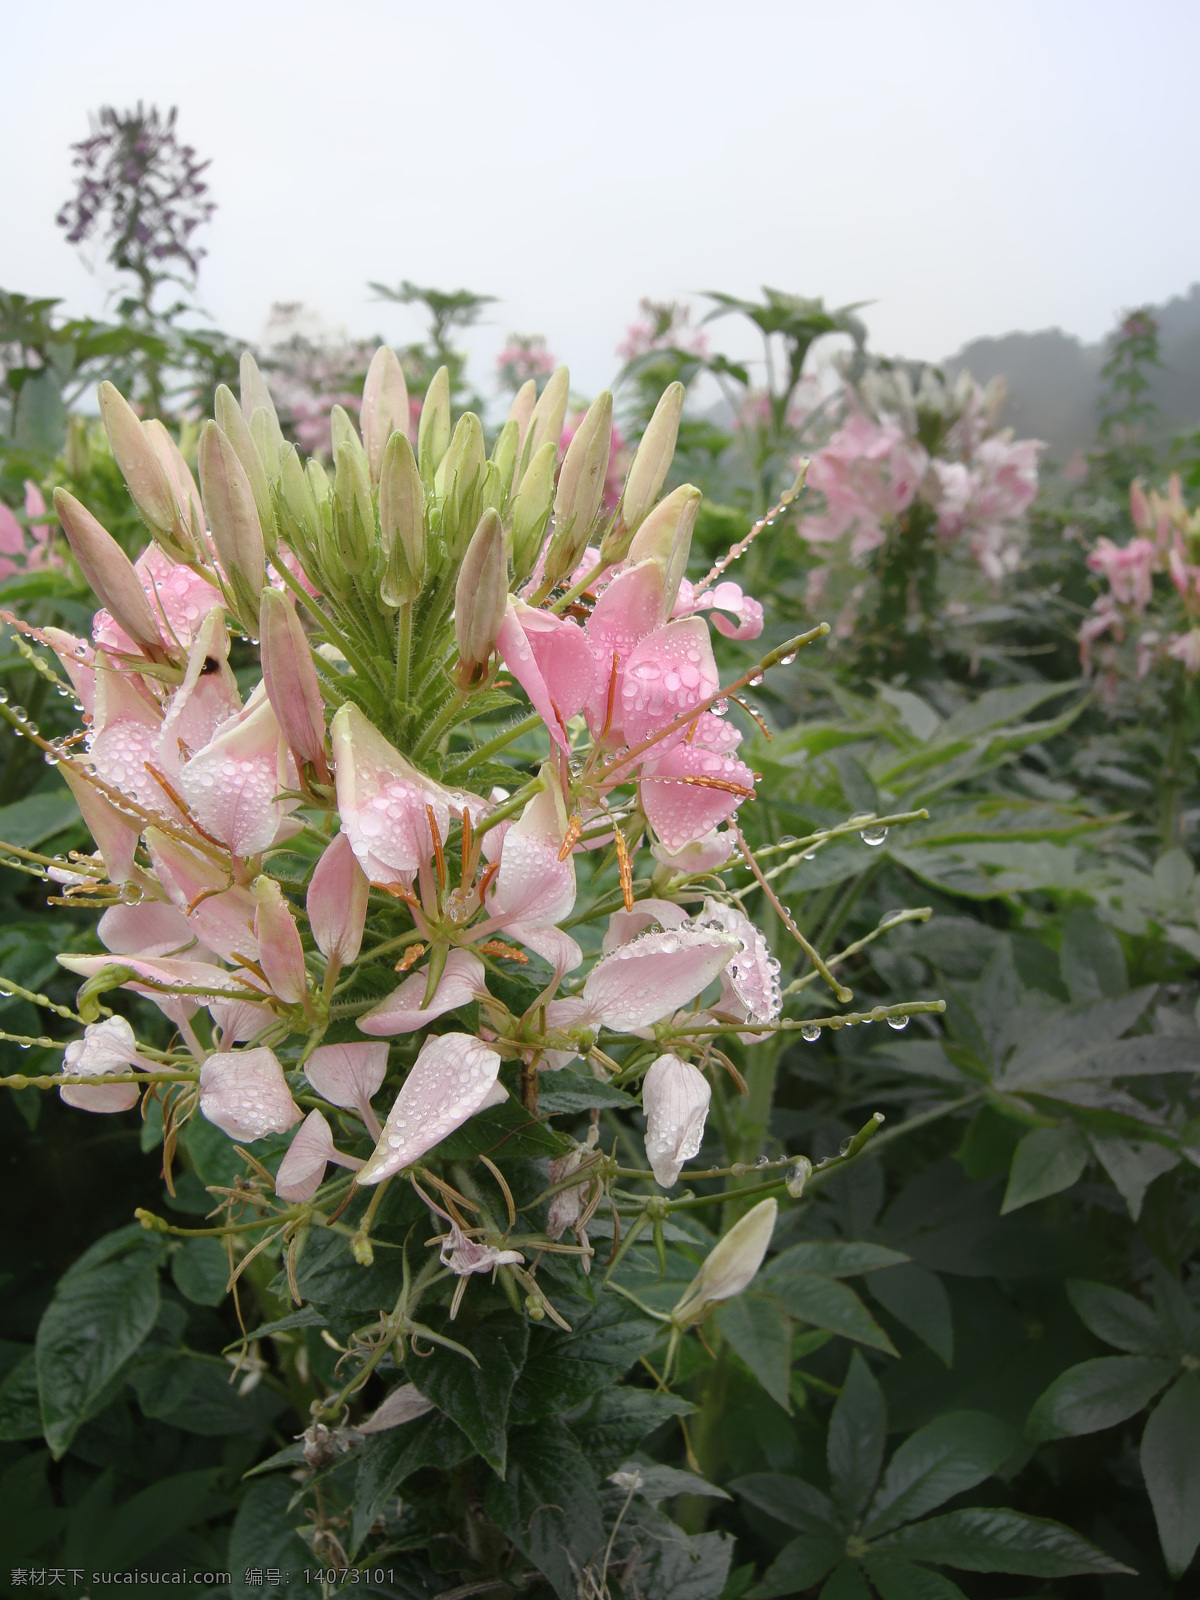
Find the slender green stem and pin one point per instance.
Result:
(484, 751)
(403, 650)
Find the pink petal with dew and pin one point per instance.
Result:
(220, 915)
(552, 944)
(179, 598)
(239, 1021)
(303, 1167)
(629, 610)
(704, 855)
(563, 1015)
(151, 928)
(404, 1011)
(165, 973)
(337, 901)
(125, 735)
(244, 1093)
(280, 953)
(671, 671)
(746, 612)
(231, 784)
(384, 801)
(626, 925)
(750, 988)
(715, 733)
(533, 886)
(679, 811)
(549, 657)
(404, 1404)
(115, 834)
(108, 1046)
(675, 1096)
(207, 697)
(453, 1077)
(647, 980)
(348, 1075)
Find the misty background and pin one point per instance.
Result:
(971, 171)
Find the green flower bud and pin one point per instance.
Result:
(521, 411)
(255, 396)
(653, 458)
(144, 474)
(233, 520)
(459, 480)
(343, 433)
(353, 509)
(298, 513)
(666, 537)
(401, 522)
(580, 491)
(480, 598)
(531, 510)
(433, 433)
(549, 414)
(233, 424)
(384, 405)
(504, 459)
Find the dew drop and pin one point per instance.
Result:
(3, 697)
(873, 836)
(899, 1023)
(788, 841)
(810, 1032)
(786, 661)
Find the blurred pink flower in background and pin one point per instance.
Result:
(618, 458)
(35, 543)
(868, 472)
(1129, 570)
(662, 325)
(525, 356)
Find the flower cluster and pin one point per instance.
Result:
(31, 548)
(923, 452)
(318, 877)
(1164, 617)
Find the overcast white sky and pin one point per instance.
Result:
(970, 166)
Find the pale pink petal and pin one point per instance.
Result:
(669, 672)
(12, 535)
(630, 609)
(405, 1403)
(151, 928)
(280, 953)
(231, 784)
(647, 980)
(239, 1021)
(681, 811)
(533, 886)
(552, 944)
(404, 1011)
(303, 1167)
(464, 1256)
(219, 914)
(207, 697)
(746, 612)
(347, 1075)
(704, 855)
(179, 599)
(453, 1077)
(337, 902)
(116, 835)
(108, 1046)
(165, 973)
(549, 657)
(244, 1093)
(750, 989)
(78, 662)
(675, 1096)
(626, 925)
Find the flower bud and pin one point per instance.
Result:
(433, 431)
(504, 461)
(140, 466)
(353, 509)
(79, 448)
(384, 406)
(297, 508)
(280, 953)
(480, 597)
(232, 517)
(110, 574)
(236, 429)
(549, 414)
(653, 458)
(256, 396)
(342, 432)
(731, 1264)
(291, 680)
(666, 537)
(401, 521)
(521, 411)
(337, 902)
(459, 481)
(187, 496)
(675, 1098)
(580, 491)
(531, 510)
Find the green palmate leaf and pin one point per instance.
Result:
(684, 1568)
(996, 1540)
(1117, 1318)
(1091, 959)
(477, 1397)
(760, 1332)
(20, 1411)
(845, 1582)
(615, 1422)
(941, 1460)
(548, 1504)
(900, 1580)
(386, 1460)
(1098, 1394)
(1066, 1041)
(1133, 1165)
(789, 1500)
(854, 1447)
(1047, 1161)
(917, 1298)
(102, 1310)
(799, 1565)
(200, 1268)
(566, 1369)
(263, 1537)
(828, 1303)
(829, 1258)
(1171, 1467)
